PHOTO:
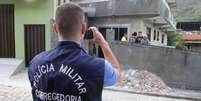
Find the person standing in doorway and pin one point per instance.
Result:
(124, 38)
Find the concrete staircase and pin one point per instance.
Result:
(9, 67)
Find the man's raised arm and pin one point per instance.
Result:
(108, 54)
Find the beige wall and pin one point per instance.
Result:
(140, 24)
(136, 25)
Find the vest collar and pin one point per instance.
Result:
(69, 44)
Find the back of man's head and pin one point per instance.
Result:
(69, 17)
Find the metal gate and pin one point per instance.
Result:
(7, 34)
(34, 41)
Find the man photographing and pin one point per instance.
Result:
(67, 72)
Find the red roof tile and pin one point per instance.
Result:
(192, 37)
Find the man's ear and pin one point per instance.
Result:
(55, 28)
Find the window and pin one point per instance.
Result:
(116, 35)
(119, 33)
(154, 34)
(149, 33)
(163, 37)
(158, 34)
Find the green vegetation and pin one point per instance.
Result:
(176, 40)
(191, 13)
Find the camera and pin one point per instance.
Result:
(88, 34)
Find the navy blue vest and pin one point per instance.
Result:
(66, 73)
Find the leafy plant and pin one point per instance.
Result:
(176, 40)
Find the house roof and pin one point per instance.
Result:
(191, 37)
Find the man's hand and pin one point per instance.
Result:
(98, 37)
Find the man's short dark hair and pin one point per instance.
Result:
(68, 17)
(134, 34)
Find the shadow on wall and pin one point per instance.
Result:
(179, 69)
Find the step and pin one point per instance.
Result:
(9, 66)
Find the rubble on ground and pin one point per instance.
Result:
(142, 81)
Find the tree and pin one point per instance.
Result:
(176, 40)
(191, 13)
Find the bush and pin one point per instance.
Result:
(176, 40)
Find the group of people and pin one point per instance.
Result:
(138, 38)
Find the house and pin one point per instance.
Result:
(192, 41)
(116, 17)
(189, 27)
(191, 34)
(25, 28)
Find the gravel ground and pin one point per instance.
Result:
(142, 81)
(10, 93)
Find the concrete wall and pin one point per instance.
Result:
(194, 47)
(37, 12)
(180, 69)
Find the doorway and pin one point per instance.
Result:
(34, 41)
(7, 33)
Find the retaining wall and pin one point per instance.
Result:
(179, 69)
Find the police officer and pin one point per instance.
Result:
(67, 72)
